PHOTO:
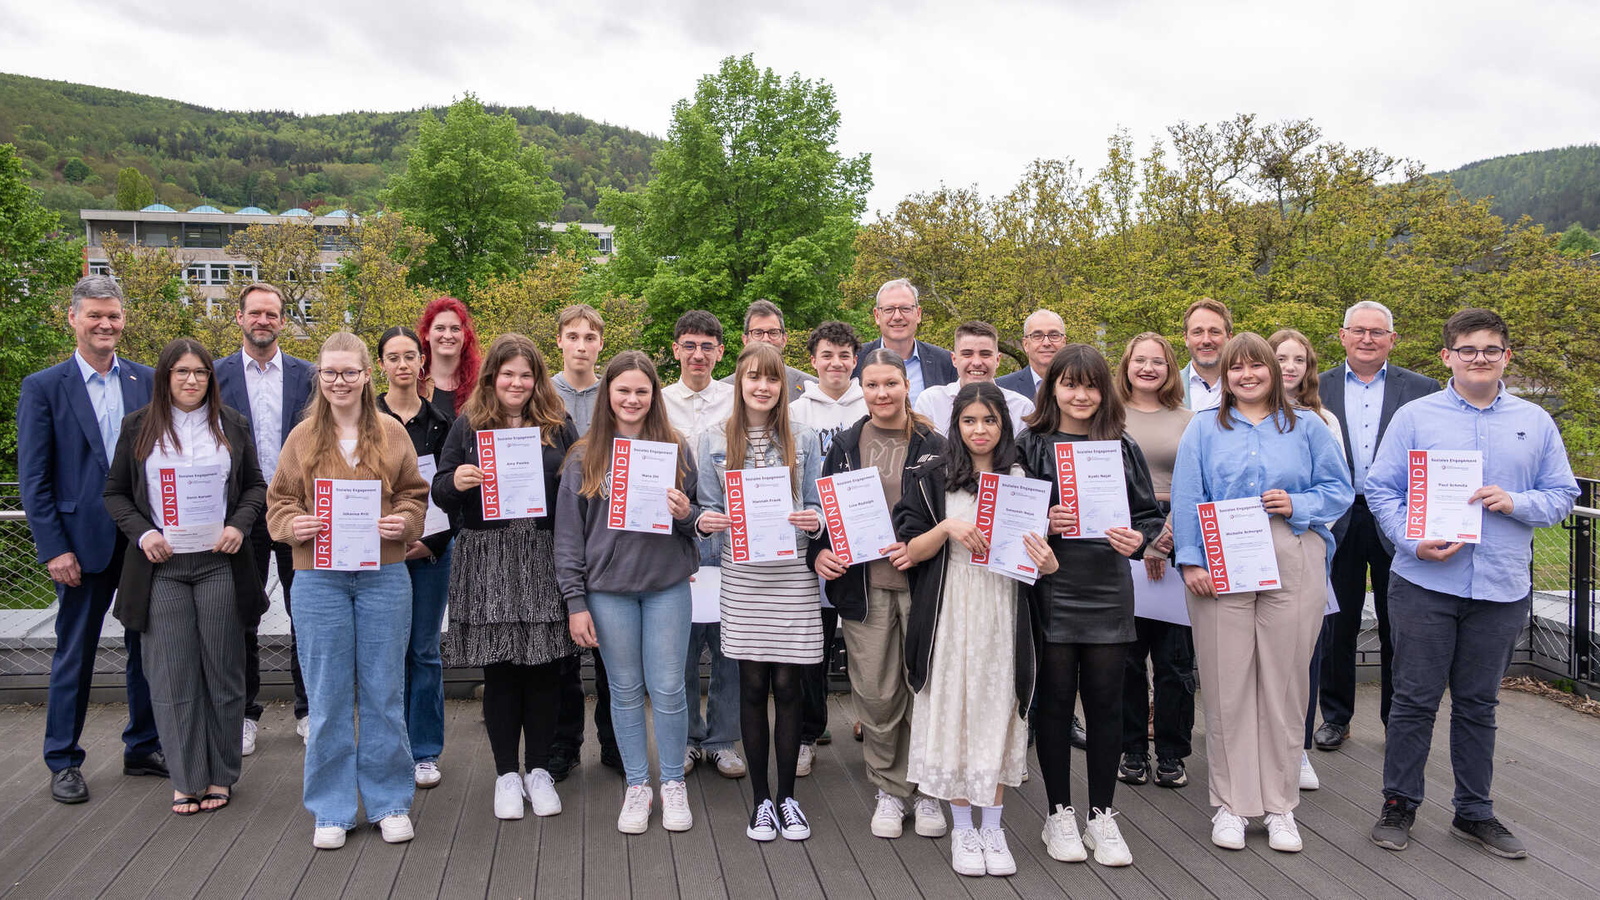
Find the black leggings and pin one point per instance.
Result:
(785, 683)
(521, 703)
(1096, 671)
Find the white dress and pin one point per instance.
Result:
(966, 735)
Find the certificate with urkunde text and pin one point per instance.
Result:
(349, 510)
(1237, 538)
(194, 506)
(1092, 486)
(857, 515)
(641, 474)
(512, 461)
(759, 503)
(1439, 486)
(1008, 509)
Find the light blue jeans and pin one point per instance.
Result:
(430, 588)
(353, 629)
(644, 637)
(718, 729)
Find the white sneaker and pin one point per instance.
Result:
(729, 765)
(1227, 829)
(795, 826)
(396, 828)
(966, 852)
(635, 815)
(1308, 776)
(808, 755)
(249, 744)
(426, 774)
(930, 817)
(1105, 839)
(508, 796)
(328, 837)
(888, 818)
(1282, 833)
(675, 814)
(1061, 836)
(540, 788)
(997, 858)
(691, 755)
(763, 823)
(302, 727)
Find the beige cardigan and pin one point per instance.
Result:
(289, 494)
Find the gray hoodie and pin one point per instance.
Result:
(580, 404)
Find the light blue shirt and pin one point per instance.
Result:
(1229, 464)
(1363, 411)
(105, 395)
(1522, 454)
(914, 371)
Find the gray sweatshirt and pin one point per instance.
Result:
(580, 404)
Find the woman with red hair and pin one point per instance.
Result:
(450, 356)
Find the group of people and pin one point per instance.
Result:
(954, 667)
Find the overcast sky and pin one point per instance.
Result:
(937, 91)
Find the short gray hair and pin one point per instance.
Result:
(762, 308)
(916, 296)
(96, 286)
(1373, 305)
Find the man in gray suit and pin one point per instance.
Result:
(1363, 393)
(1043, 334)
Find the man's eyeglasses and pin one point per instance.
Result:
(1489, 354)
(1054, 337)
(766, 334)
(892, 311)
(1376, 334)
(200, 375)
(702, 347)
(329, 376)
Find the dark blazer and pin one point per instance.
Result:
(1020, 382)
(61, 461)
(127, 498)
(297, 376)
(1401, 386)
(937, 366)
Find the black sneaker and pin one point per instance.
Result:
(1393, 831)
(1170, 773)
(1135, 768)
(562, 761)
(1494, 837)
(611, 758)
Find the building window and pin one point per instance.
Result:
(195, 274)
(605, 244)
(204, 236)
(99, 269)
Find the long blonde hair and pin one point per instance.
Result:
(764, 360)
(326, 459)
(595, 448)
(543, 408)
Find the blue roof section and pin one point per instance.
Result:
(297, 211)
(206, 209)
(158, 207)
(340, 214)
(252, 211)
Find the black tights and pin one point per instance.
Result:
(1096, 670)
(521, 703)
(785, 683)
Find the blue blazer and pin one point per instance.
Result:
(296, 388)
(61, 461)
(1020, 382)
(937, 366)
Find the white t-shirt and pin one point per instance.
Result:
(936, 403)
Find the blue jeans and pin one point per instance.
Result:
(430, 587)
(353, 628)
(718, 728)
(643, 637)
(1466, 644)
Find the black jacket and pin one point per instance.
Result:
(848, 593)
(127, 498)
(919, 510)
(428, 438)
(461, 448)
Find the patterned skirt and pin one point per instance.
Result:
(505, 606)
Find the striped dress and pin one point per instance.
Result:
(771, 611)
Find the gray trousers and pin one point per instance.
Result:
(194, 660)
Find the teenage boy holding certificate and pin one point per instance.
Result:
(1254, 646)
(1456, 608)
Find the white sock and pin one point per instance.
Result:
(961, 816)
(991, 815)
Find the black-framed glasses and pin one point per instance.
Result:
(893, 311)
(1054, 337)
(329, 376)
(200, 375)
(702, 346)
(1376, 334)
(1489, 354)
(769, 334)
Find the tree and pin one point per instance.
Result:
(158, 303)
(751, 200)
(36, 268)
(1575, 241)
(370, 291)
(76, 170)
(479, 191)
(134, 190)
(288, 256)
(530, 302)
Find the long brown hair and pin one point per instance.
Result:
(1251, 347)
(883, 356)
(158, 427)
(595, 448)
(543, 406)
(1083, 364)
(765, 360)
(326, 459)
(1170, 394)
(1306, 394)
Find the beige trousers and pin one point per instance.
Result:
(876, 663)
(1254, 654)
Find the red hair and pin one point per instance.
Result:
(471, 358)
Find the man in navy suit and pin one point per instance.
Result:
(898, 312)
(1043, 335)
(1364, 394)
(271, 389)
(68, 420)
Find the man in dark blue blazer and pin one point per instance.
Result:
(68, 420)
(271, 389)
(1043, 335)
(1363, 393)
(898, 312)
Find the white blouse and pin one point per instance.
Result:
(200, 448)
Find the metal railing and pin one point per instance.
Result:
(1561, 639)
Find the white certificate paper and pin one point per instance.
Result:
(1237, 537)
(705, 596)
(1163, 599)
(759, 503)
(512, 460)
(1008, 508)
(1093, 487)
(194, 506)
(349, 510)
(437, 520)
(641, 474)
(1438, 485)
(857, 515)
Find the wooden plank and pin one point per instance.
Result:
(275, 844)
(438, 811)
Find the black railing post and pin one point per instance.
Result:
(1583, 536)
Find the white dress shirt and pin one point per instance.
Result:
(264, 385)
(937, 402)
(197, 447)
(690, 410)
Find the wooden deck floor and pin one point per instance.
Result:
(124, 844)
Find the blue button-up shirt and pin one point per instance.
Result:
(105, 395)
(1229, 464)
(1522, 454)
(914, 372)
(1363, 411)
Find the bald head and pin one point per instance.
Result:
(1043, 334)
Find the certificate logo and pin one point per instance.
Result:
(322, 508)
(1067, 484)
(1211, 541)
(490, 489)
(1416, 494)
(169, 497)
(834, 516)
(621, 453)
(739, 531)
(988, 493)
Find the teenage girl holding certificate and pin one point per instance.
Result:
(1254, 647)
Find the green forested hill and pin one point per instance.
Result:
(1556, 188)
(272, 159)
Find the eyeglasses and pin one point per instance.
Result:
(691, 347)
(1054, 337)
(329, 376)
(1376, 334)
(765, 333)
(200, 375)
(1489, 354)
(892, 311)
(397, 358)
